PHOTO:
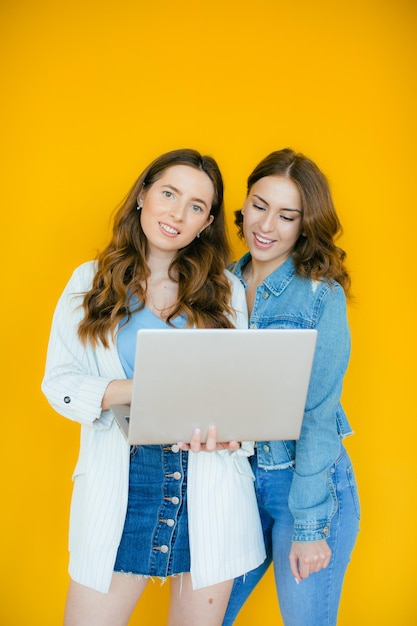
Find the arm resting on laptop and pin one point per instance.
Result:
(117, 392)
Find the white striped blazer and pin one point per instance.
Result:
(225, 531)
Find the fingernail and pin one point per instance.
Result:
(297, 581)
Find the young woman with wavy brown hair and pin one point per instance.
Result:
(133, 509)
(197, 269)
(295, 277)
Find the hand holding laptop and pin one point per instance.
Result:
(197, 445)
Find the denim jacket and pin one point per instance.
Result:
(286, 300)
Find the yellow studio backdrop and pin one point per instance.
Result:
(91, 92)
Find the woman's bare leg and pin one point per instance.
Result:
(203, 607)
(85, 606)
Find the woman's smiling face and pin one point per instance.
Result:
(272, 220)
(176, 208)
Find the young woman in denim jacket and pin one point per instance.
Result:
(144, 512)
(295, 277)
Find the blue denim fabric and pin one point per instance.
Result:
(155, 536)
(315, 601)
(286, 300)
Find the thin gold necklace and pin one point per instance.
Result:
(164, 310)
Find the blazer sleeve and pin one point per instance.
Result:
(72, 383)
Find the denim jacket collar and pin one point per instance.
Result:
(275, 282)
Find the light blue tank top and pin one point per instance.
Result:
(126, 335)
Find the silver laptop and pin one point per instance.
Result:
(250, 384)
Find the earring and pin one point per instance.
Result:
(198, 236)
(139, 206)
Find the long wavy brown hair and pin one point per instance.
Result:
(122, 272)
(315, 253)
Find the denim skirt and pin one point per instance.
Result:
(155, 535)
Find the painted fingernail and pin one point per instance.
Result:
(297, 581)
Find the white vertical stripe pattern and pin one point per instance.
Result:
(226, 537)
(74, 383)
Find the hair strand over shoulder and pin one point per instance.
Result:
(204, 291)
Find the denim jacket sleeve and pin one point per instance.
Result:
(312, 500)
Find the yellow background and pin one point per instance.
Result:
(91, 91)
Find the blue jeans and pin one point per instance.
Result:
(315, 601)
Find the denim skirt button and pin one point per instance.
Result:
(155, 539)
(175, 448)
